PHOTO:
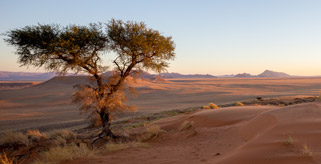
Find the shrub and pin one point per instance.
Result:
(213, 106)
(186, 125)
(259, 98)
(60, 154)
(205, 107)
(13, 137)
(4, 159)
(210, 106)
(152, 131)
(307, 151)
(239, 104)
(35, 135)
(63, 133)
(289, 141)
(60, 141)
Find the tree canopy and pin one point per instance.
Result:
(80, 49)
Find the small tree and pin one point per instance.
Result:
(80, 49)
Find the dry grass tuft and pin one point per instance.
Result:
(307, 151)
(210, 106)
(205, 107)
(62, 133)
(10, 137)
(213, 106)
(186, 125)
(35, 135)
(4, 159)
(239, 104)
(60, 154)
(152, 131)
(289, 141)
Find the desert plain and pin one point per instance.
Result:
(240, 134)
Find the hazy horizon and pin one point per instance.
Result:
(211, 37)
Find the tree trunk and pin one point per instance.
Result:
(105, 121)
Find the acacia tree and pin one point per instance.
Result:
(80, 49)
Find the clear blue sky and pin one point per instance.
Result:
(214, 36)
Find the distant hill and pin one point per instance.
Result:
(25, 76)
(268, 73)
(244, 75)
(29, 76)
(180, 76)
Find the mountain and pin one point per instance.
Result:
(244, 75)
(181, 76)
(268, 73)
(29, 76)
(25, 76)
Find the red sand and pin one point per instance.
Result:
(235, 135)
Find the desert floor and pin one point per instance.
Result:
(48, 105)
(233, 135)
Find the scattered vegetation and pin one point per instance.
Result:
(152, 131)
(63, 133)
(289, 141)
(35, 135)
(239, 104)
(64, 142)
(11, 137)
(206, 107)
(259, 98)
(210, 106)
(307, 151)
(186, 125)
(64, 153)
(4, 159)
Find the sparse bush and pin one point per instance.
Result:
(60, 141)
(35, 135)
(307, 151)
(152, 131)
(210, 106)
(5, 160)
(186, 125)
(289, 141)
(60, 154)
(13, 137)
(205, 107)
(63, 133)
(239, 104)
(213, 106)
(259, 98)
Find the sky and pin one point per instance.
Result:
(212, 36)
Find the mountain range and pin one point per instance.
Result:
(28, 76)
(266, 73)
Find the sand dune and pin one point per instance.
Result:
(234, 135)
(48, 104)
